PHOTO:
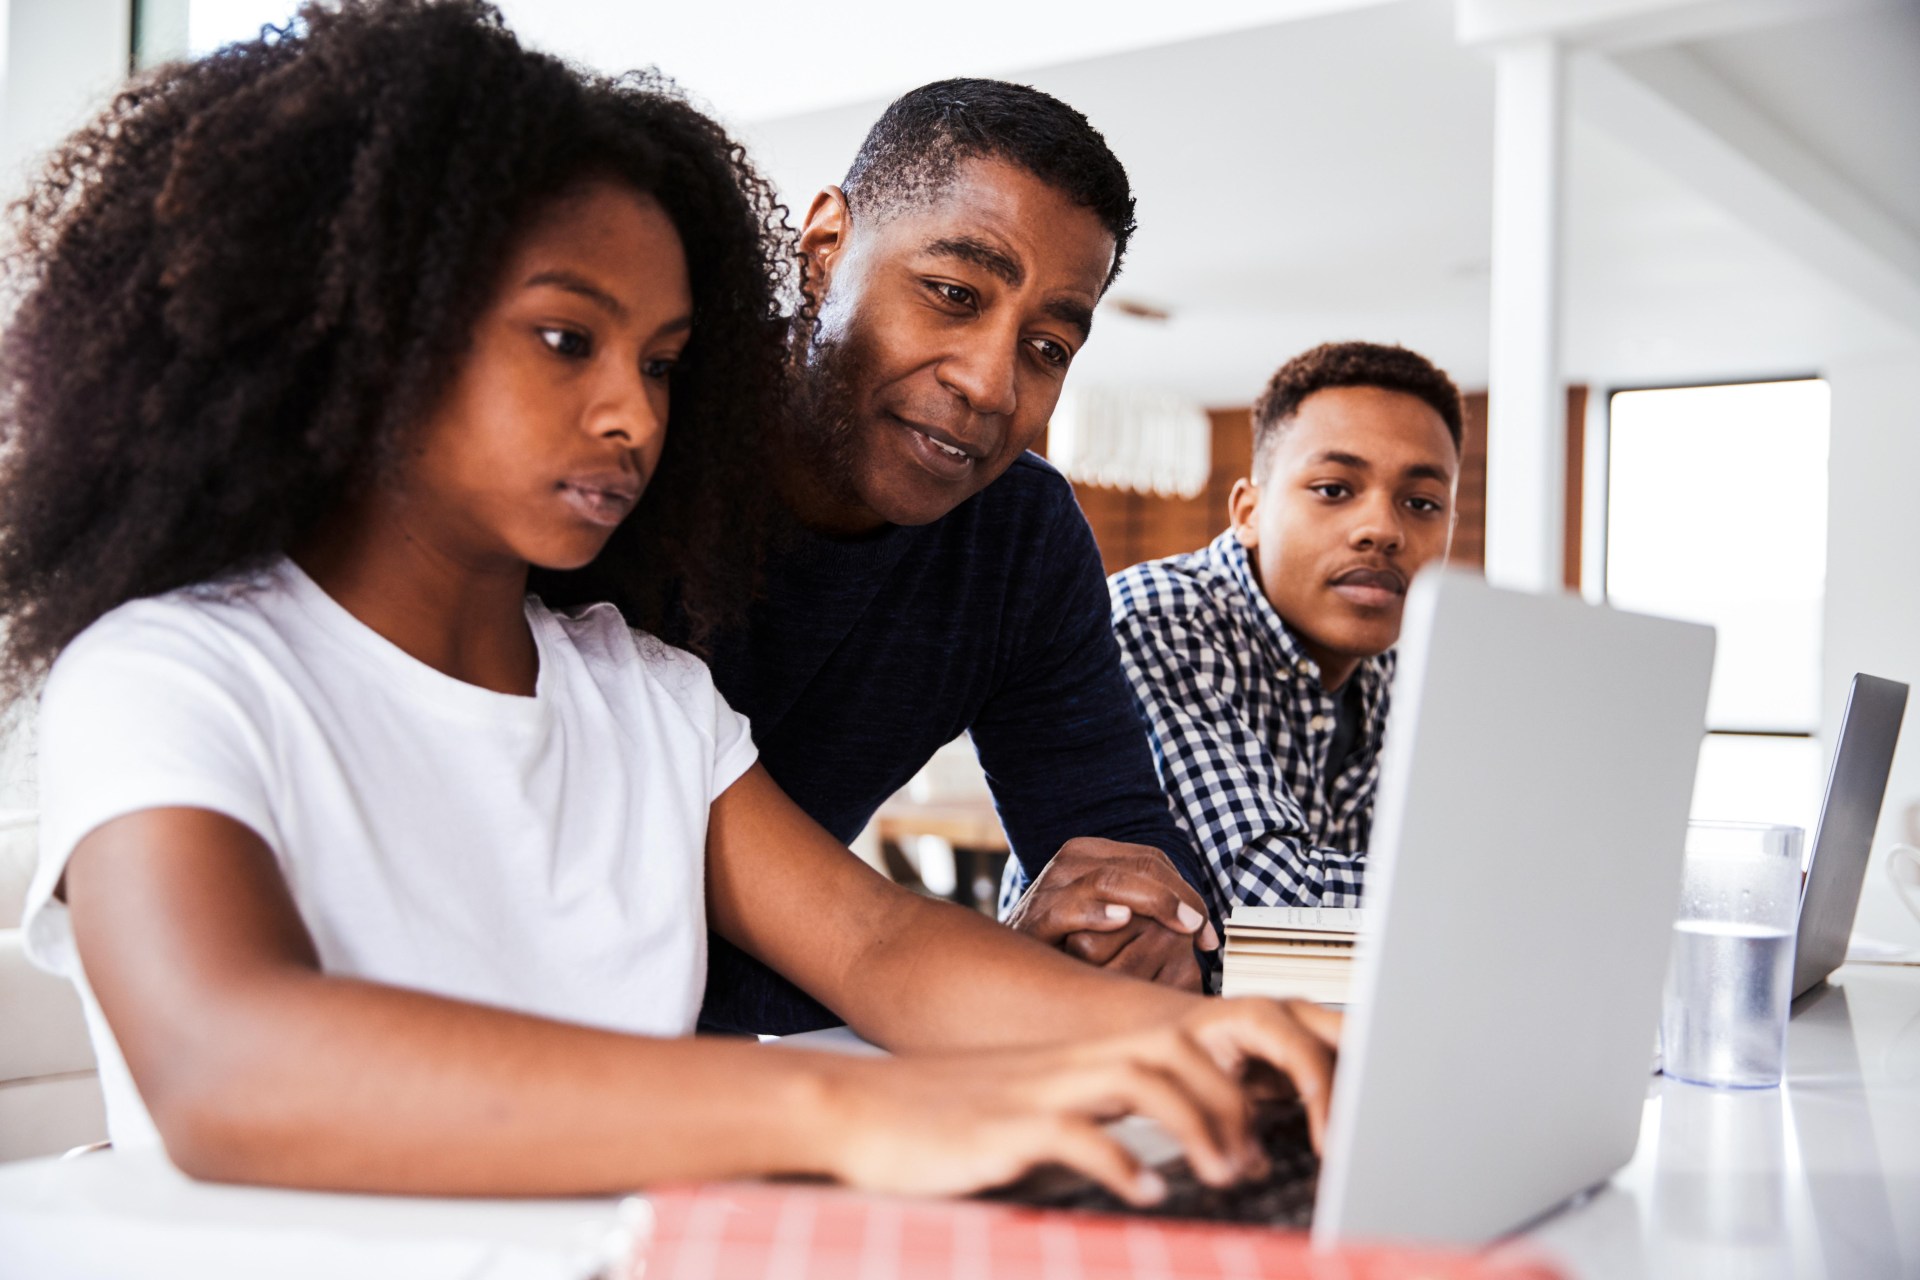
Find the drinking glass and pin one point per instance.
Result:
(1730, 975)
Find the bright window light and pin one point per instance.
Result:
(212, 23)
(1759, 778)
(1717, 512)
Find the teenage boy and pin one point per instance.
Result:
(1262, 661)
(938, 579)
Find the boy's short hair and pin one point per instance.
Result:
(1350, 364)
(912, 150)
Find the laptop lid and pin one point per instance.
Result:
(1522, 882)
(1843, 838)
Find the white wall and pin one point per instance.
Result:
(60, 62)
(1873, 584)
(63, 60)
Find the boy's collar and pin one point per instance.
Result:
(1284, 648)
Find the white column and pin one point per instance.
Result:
(1526, 403)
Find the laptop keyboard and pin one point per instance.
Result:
(1284, 1198)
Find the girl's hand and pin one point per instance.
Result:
(951, 1125)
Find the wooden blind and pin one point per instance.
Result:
(1470, 500)
(1131, 527)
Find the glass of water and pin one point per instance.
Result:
(1730, 976)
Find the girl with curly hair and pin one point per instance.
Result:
(382, 856)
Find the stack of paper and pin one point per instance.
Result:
(1288, 952)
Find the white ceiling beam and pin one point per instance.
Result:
(1630, 24)
(1677, 114)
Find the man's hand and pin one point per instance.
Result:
(1121, 907)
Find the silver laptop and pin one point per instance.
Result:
(1521, 889)
(1843, 838)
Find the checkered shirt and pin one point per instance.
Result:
(1241, 729)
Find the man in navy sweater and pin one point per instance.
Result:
(937, 578)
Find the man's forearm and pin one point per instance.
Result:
(948, 978)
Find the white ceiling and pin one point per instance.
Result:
(758, 59)
(1286, 193)
(1663, 287)
(1315, 169)
(1330, 177)
(1844, 87)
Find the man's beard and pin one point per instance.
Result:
(825, 428)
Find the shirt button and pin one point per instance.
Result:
(1303, 666)
(1317, 724)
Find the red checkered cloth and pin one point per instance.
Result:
(751, 1231)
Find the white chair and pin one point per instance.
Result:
(49, 1091)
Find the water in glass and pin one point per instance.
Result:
(1725, 1013)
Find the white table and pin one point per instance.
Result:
(1819, 1180)
(131, 1215)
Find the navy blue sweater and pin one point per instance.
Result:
(865, 656)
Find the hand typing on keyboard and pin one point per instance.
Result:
(1280, 1195)
(947, 1125)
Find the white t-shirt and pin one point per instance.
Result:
(544, 854)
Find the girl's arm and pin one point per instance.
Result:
(919, 976)
(907, 972)
(257, 1067)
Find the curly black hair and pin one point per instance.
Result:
(913, 148)
(1350, 364)
(236, 291)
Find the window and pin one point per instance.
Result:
(1717, 513)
